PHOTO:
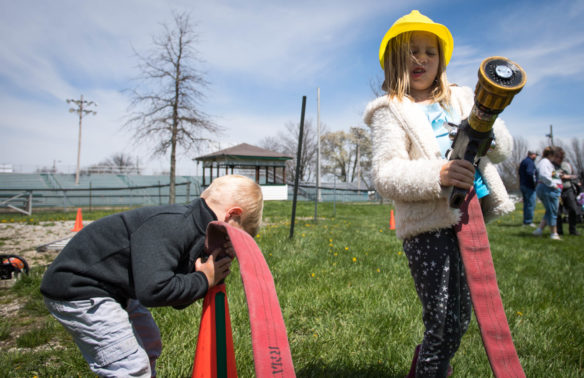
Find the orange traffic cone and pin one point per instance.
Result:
(214, 356)
(78, 221)
(391, 221)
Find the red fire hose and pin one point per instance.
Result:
(486, 298)
(271, 351)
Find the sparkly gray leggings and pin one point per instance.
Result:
(438, 272)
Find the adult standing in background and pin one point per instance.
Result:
(527, 182)
(569, 194)
(548, 189)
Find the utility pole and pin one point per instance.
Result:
(81, 109)
(551, 135)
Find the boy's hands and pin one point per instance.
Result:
(216, 270)
(459, 173)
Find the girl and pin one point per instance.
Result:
(410, 137)
(549, 190)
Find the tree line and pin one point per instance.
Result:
(346, 155)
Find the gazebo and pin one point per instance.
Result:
(269, 167)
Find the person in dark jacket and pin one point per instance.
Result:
(527, 183)
(569, 193)
(100, 284)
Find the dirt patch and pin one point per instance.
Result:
(23, 239)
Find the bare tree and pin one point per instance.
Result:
(287, 143)
(574, 153)
(336, 155)
(117, 163)
(509, 169)
(361, 139)
(167, 105)
(347, 155)
(577, 157)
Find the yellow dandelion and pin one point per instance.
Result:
(399, 253)
(519, 313)
(346, 248)
(378, 270)
(336, 254)
(313, 274)
(354, 259)
(330, 240)
(303, 235)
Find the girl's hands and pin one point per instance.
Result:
(459, 173)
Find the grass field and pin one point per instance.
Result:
(348, 303)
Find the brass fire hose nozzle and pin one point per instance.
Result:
(500, 80)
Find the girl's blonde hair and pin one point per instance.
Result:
(239, 191)
(397, 78)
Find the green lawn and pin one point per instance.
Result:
(349, 303)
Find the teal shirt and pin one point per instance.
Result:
(438, 118)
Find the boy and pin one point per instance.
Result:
(99, 284)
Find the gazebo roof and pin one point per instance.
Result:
(244, 151)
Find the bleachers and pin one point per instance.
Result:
(22, 181)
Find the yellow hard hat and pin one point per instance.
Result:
(415, 21)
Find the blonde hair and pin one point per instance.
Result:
(397, 78)
(239, 191)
